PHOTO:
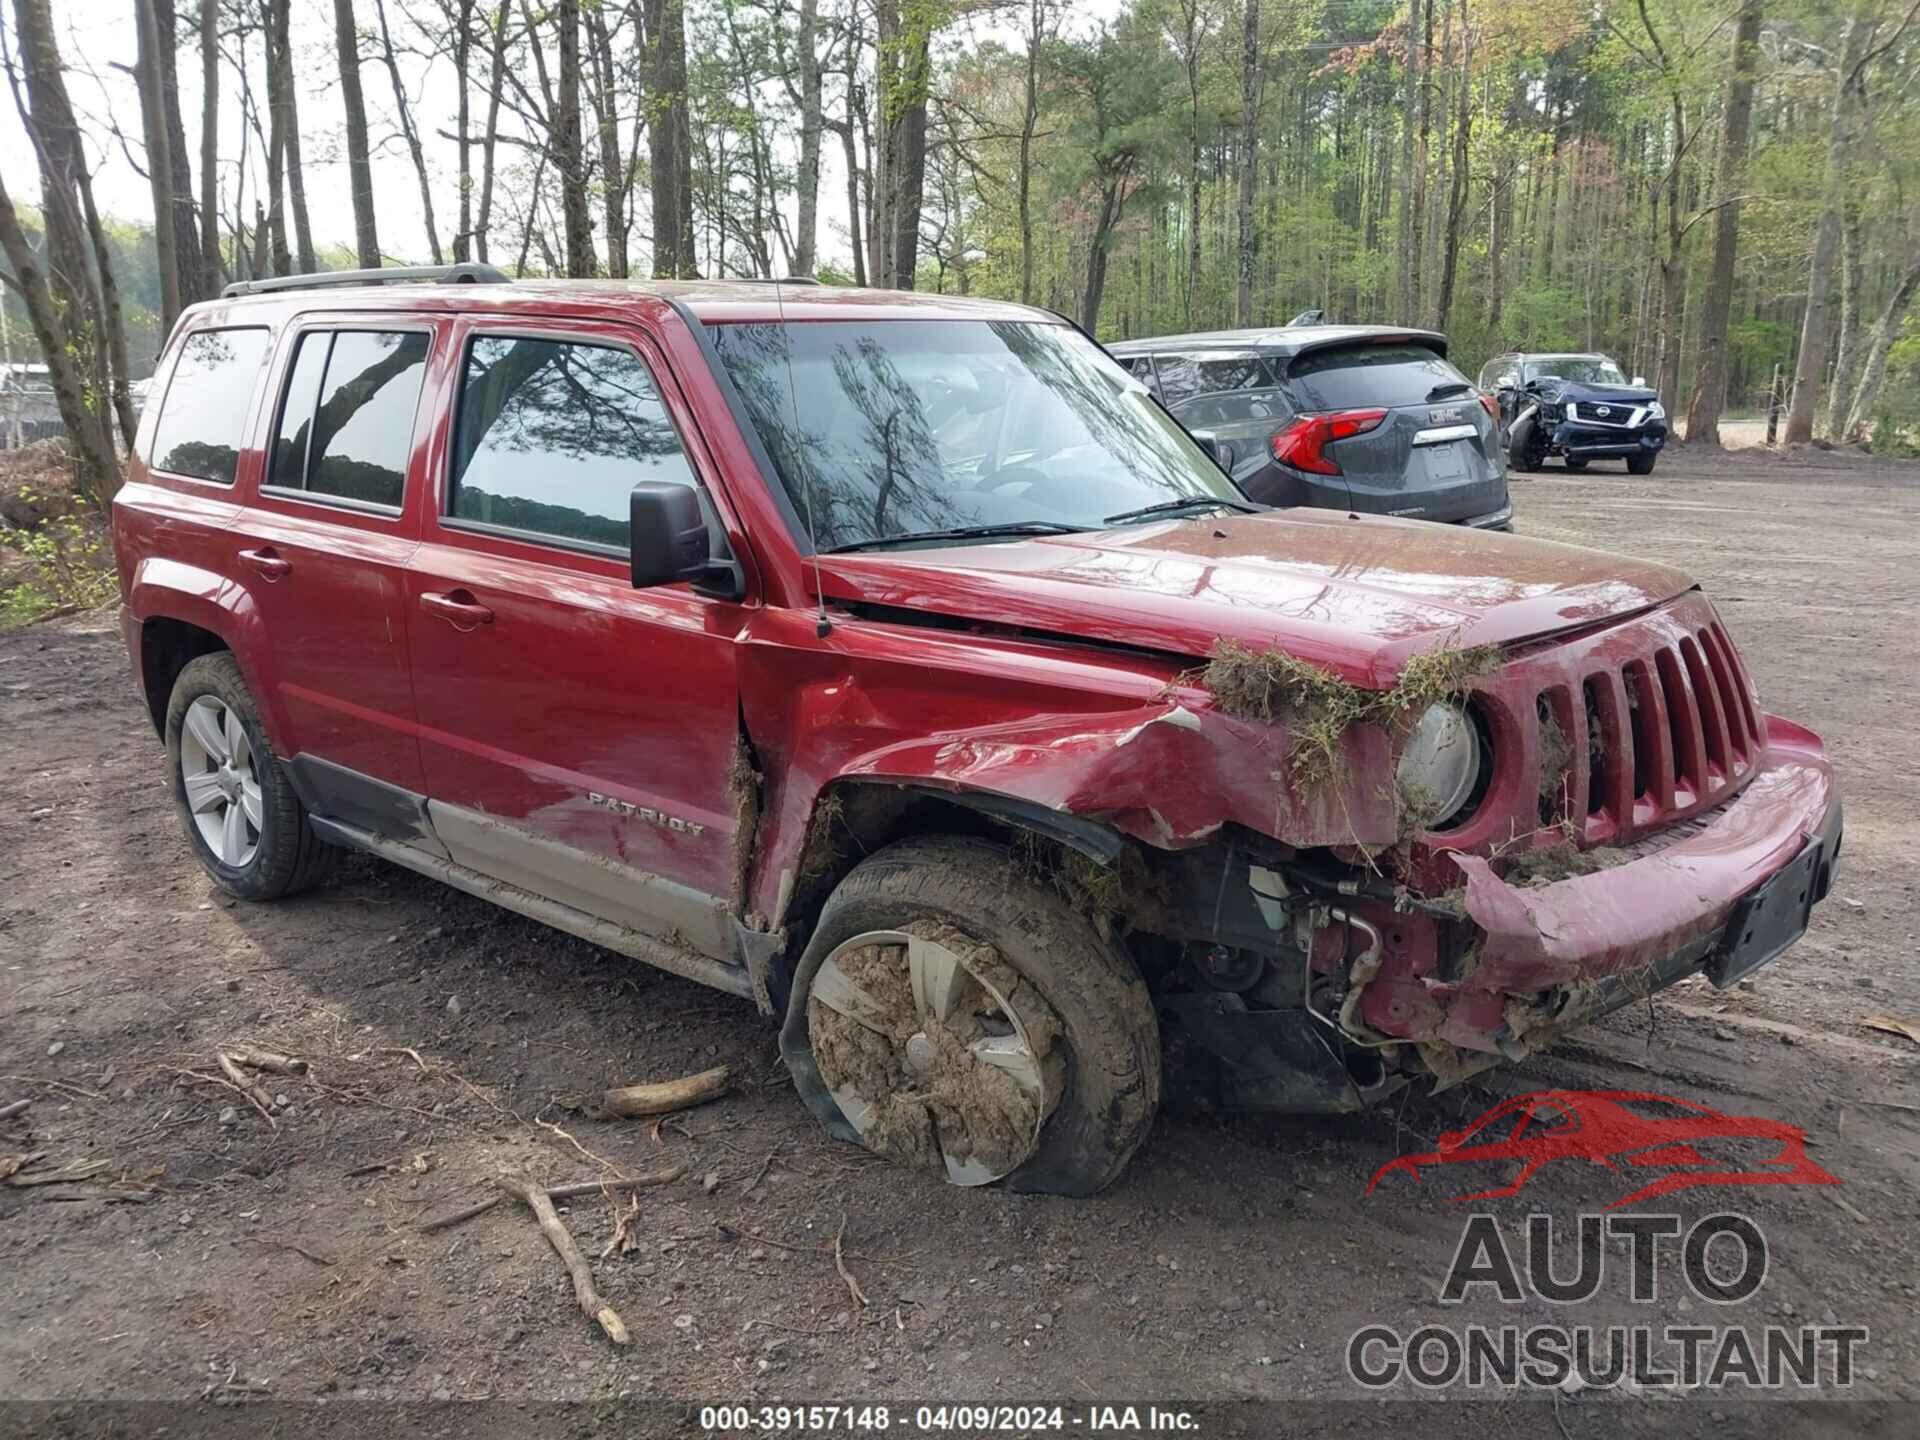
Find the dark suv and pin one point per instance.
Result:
(1579, 407)
(895, 663)
(1351, 417)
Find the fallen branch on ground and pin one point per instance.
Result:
(268, 1060)
(254, 1095)
(665, 1096)
(840, 1264)
(18, 1107)
(66, 1174)
(541, 1204)
(557, 1192)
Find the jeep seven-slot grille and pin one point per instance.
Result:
(1662, 734)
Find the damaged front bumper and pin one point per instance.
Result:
(1581, 440)
(1722, 893)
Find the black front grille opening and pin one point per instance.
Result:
(1554, 715)
(1596, 750)
(1640, 717)
(1712, 723)
(1679, 707)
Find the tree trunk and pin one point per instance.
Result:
(1423, 104)
(195, 281)
(1873, 372)
(112, 322)
(366, 236)
(489, 146)
(1812, 364)
(806, 180)
(159, 161)
(99, 466)
(56, 139)
(903, 72)
(463, 123)
(613, 165)
(1457, 197)
(1248, 248)
(211, 262)
(1846, 355)
(279, 76)
(411, 132)
(1673, 269)
(1029, 123)
(1112, 195)
(1409, 247)
(1710, 385)
(669, 142)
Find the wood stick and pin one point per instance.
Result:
(268, 1060)
(18, 1107)
(557, 1192)
(840, 1264)
(255, 1096)
(558, 1236)
(665, 1096)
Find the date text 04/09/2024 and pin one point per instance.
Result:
(940, 1419)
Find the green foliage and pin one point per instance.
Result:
(67, 561)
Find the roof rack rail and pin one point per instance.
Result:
(772, 280)
(467, 274)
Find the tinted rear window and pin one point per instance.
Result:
(346, 427)
(205, 410)
(1354, 376)
(1185, 375)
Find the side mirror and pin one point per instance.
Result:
(1640, 380)
(669, 541)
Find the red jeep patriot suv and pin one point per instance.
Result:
(895, 662)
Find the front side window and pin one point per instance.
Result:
(883, 430)
(199, 430)
(346, 422)
(553, 436)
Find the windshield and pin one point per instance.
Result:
(1587, 369)
(907, 427)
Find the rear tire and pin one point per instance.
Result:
(1641, 464)
(240, 814)
(1088, 1012)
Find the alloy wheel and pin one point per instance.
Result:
(221, 784)
(935, 1050)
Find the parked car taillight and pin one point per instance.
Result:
(1303, 443)
(1491, 406)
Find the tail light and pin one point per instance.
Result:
(1491, 406)
(1303, 443)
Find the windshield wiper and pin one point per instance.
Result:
(1452, 387)
(1175, 507)
(963, 532)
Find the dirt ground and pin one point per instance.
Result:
(220, 1257)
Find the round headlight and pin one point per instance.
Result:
(1441, 763)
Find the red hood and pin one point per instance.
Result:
(1358, 595)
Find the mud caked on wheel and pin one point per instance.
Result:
(952, 1013)
(238, 808)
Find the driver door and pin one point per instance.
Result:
(575, 732)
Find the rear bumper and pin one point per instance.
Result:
(1501, 519)
(1548, 957)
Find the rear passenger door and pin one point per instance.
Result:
(323, 549)
(576, 732)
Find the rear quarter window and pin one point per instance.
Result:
(1182, 376)
(204, 414)
(1351, 377)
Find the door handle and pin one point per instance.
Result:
(457, 607)
(268, 562)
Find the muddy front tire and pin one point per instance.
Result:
(1640, 464)
(1046, 999)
